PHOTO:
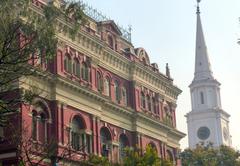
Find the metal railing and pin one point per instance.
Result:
(98, 16)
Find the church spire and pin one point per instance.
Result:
(202, 63)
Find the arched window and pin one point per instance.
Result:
(105, 141)
(202, 97)
(107, 86)
(124, 96)
(116, 91)
(76, 68)
(123, 143)
(77, 134)
(85, 74)
(34, 125)
(40, 122)
(144, 61)
(67, 63)
(99, 82)
(149, 103)
(143, 102)
(152, 145)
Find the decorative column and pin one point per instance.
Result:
(164, 150)
(160, 100)
(37, 127)
(84, 142)
(60, 109)
(137, 93)
(94, 135)
(98, 136)
(173, 111)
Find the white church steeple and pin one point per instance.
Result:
(207, 122)
(202, 63)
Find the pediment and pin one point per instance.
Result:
(111, 26)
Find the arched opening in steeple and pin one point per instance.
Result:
(202, 97)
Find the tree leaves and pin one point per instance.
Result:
(207, 155)
(23, 33)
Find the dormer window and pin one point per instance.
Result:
(110, 42)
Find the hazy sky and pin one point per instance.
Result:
(167, 28)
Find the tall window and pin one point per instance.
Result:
(143, 102)
(99, 82)
(67, 63)
(107, 86)
(149, 103)
(124, 96)
(76, 68)
(1, 133)
(168, 118)
(105, 141)
(85, 72)
(116, 91)
(154, 105)
(202, 97)
(39, 56)
(34, 125)
(123, 143)
(170, 156)
(43, 128)
(77, 135)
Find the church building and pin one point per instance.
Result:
(207, 122)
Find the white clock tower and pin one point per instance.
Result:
(207, 122)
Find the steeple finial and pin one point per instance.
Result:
(198, 10)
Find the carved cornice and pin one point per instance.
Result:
(96, 96)
(144, 75)
(139, 116)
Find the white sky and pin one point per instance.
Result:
(166, 29)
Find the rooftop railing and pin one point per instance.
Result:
(98, 16)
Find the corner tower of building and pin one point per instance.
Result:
(207, 122)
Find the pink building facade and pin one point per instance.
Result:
(99, 95)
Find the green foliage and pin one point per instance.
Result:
(95, 160)
(133, 157)
(24, 33)
(148, 158)
(207, 155)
